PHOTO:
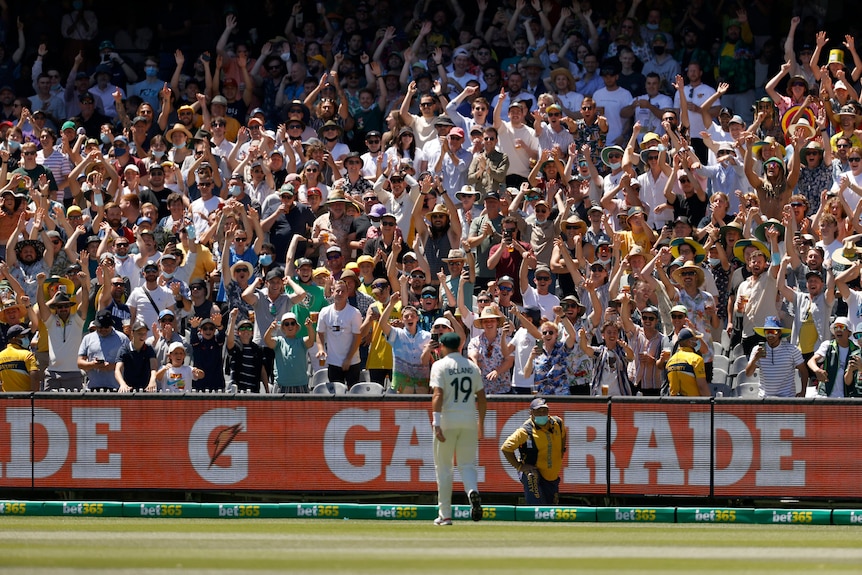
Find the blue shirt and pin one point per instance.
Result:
(108, 348)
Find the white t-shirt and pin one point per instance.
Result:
(176, 379)
(613, 101)
(697, 96)
(544, 302)
(339, 327)
(460, 380)
(138, 301)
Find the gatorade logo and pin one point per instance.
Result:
(214, 451)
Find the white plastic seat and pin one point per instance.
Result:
(320, 376)
(721, 362)
(719, 376)
(748, 390)
(738, 366)
(366, 388)
(330, 388)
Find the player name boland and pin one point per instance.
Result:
(459, 370)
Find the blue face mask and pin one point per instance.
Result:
(119, 152)
(167, 276)
(235, 191)
(265, 259)
(158, 154)
(106, 139)
(13, 145)
(541, 420)
(25, 342)
(616, 165)
(151, 71)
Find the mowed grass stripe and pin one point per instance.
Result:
(55, 545)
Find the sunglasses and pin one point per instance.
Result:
(484, 301)
(548, 332)
(387, 224)
(333, 256)
(246, 328)
(396, 179)
(425, 105)
(677, 316)
(854, 159)
(587, 108)
(417, 276)
(373, 141)
(554, 114)
(772, 331)
(648, 318)
(428, 296)
(688, 274)
(380, 285)
(543, 278)
(208, 328)
(311, 170)
(289, 323)
(194, 288)
(504, 289)
(219, 124)
(842, 145)
(28, 153)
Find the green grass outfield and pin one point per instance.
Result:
(190, 546)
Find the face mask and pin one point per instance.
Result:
(661, 148)
(25, 342)
(13, 145)
(265, 259)
(659, 50)
(106, 139)
(652, 26)
(235, 191)
(167, 276)
(714, 262)
(151, 71)
(158, 154)
(119, 152)
(554, 58)
(121, 258)
(56, 87)
(605, 263)
(541, 420)
(285, 57)
(616, 165)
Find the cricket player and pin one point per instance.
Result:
(458, 397)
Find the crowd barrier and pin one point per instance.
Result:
(311, 444)
(386, 512)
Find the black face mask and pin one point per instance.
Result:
(659, 50)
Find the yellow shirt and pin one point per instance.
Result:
(380, 352)
(549, 442)
(15, 367)
(684, 368)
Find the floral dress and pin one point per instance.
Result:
(492, 358)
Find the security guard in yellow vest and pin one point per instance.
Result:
(541, 443)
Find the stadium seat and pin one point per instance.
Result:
(330, 388)
(738, 366)
(717, 348)
(320, 376)
(719, 376)
(748, 390)
(365, 375)
(741, 378)
(721, 362)
(725, 341)
(367, 388)
(737, 351)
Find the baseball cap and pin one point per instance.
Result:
(539, 402)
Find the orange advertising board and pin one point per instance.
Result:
(345, 444)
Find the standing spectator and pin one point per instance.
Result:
(516, 139)
(547, 361)
(840, 360)
(339, 329)
(455, 405)
(615, 103)
(776, 360)
(541, 443)
(290, 349)
(99, 353)
(245, 357)
(137, 366)
(64, 325)
(611, 359)
(409, 373)
(206, 340)
(19, 370)
(685, 369)
(175, 376)
(492, 353)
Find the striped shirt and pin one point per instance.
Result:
(776, 369)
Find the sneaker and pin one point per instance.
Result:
(443, 521)
(475, 505)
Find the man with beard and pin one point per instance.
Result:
(812, 306)
(755, 297)
(27, 258)
(776, 360)
(114, 217)
(65, 328)
(439, 234)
